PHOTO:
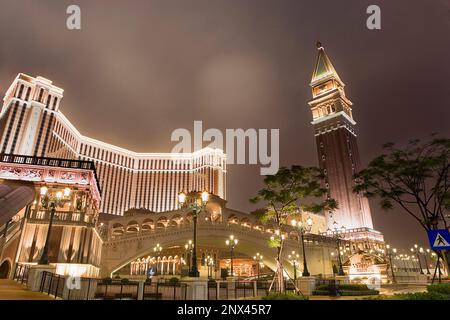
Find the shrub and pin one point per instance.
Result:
(107, 280)
(174, 280)
(284, 296)
(212, 282)
(442, 288)
(346, 290)
(420, 296)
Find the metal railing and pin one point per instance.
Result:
(21, 273)
(51, 162)
(117, 290)
(240, 289)
(165, 291)
(52, 284)
(61, 216)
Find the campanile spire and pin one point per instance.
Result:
(337, 145)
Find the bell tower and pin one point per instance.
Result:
(337, 147)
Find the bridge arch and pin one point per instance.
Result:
(129, 247)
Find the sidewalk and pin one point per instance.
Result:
(11, 290)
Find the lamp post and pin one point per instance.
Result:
(259, 260)
(416, 251)
(302, 229)
(51, 201)
(293, 258)
(231, 243)
(338, 235)
(195, 205)
(210, 264)
(389, 254)
(188, 249)
(157, 249)
(425, 253)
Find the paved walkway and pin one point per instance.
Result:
(11, 290)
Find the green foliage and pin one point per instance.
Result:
(174, 280)
(346, 290)
(287, 193)
(414, 296)
(284, 296)
(442, 288)
(352, 287)
(434, 292)
(274, 243)
(415, 177)
(107, 280)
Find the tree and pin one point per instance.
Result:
(287, 193)
(416, 178)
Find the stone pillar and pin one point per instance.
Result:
(35, 275)
(306, 285)
(197, 288)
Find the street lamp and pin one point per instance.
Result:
(210, 264)
(293, 259)
(389, 254)
(416, 251)
(425, 253)
(157, 249)
(337, 234)
(302, 229)
(231, 243)
(259, 260)
(51, 201)
(188, 249)
(195, 205)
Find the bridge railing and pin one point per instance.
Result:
(209, 225)
(62, 216)
(51, 162)
(21, 273)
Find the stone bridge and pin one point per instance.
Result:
(134, 235)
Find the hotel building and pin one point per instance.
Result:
(31, 123)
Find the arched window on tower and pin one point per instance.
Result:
(41, 93)
(27, 97)
(19, 95)
(55, 101)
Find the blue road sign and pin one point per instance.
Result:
(439, 239)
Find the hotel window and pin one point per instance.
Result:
(54, 103)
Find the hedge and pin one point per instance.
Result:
(346, 290)
(284, 296)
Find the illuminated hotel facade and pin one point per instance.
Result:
(31, 123)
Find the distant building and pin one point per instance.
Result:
(31, 123)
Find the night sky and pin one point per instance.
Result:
(140, 69)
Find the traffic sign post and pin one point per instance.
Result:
(439, 239)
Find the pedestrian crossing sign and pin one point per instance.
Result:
(439, 239)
